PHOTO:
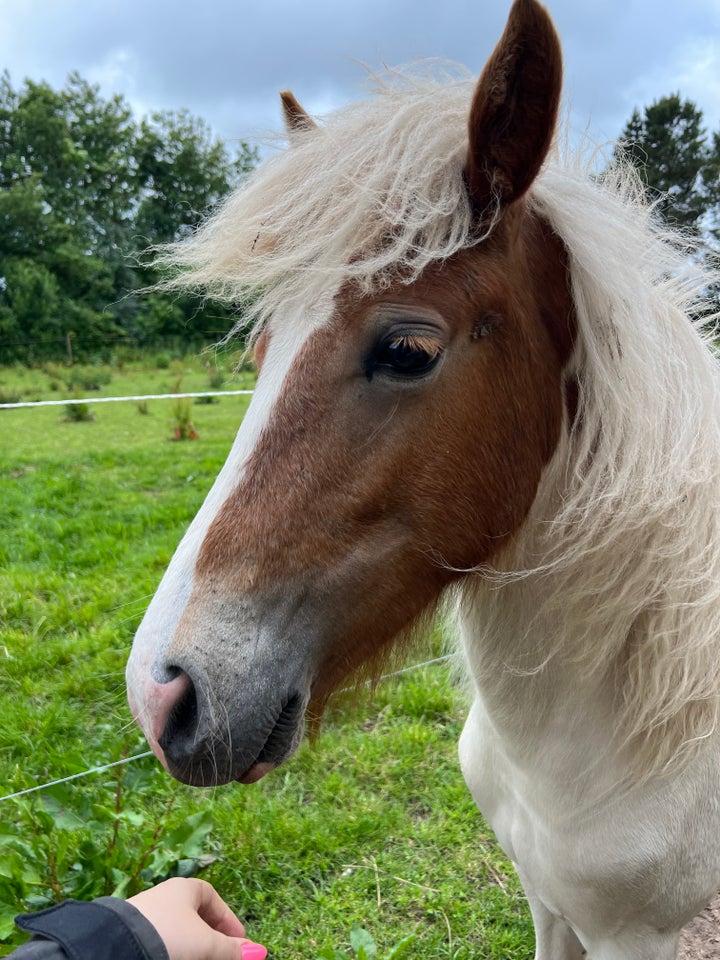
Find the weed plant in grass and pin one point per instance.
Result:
(370, 829)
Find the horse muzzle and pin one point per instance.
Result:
(204, 738)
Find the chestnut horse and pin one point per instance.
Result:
(477, 381)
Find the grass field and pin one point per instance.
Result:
(370, 827)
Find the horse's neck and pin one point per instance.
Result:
(544, 705)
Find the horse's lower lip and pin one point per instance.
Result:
(279, 741)
(256, 772)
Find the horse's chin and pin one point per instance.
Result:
(214, 771)
(199, 777)
(208, 773)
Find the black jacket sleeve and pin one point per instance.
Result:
(104, 929)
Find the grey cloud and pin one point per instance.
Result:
(226, 60)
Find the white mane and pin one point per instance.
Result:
(374, 192)
(631, 546)
(624, 540)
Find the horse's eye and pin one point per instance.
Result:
(406, 355)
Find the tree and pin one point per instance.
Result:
(668, 145)
(184, 172)
(671, 150)
(711, 178)
(29, 309)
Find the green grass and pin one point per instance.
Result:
(371, 826)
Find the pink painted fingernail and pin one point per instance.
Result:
(253, 951)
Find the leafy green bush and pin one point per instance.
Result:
(73, 841)
(216, 377)
(87, 378)
(78, 412)
(183, 426)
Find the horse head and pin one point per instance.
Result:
(396, 438)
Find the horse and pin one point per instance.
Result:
(483, 382)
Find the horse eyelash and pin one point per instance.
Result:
(427, 345)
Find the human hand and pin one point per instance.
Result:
(195, 923)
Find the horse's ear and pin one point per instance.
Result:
(296, 118)
(514, 110)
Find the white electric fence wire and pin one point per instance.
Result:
(75, 776)
(149, 753)
(150, 396)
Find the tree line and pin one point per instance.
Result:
(85, 187)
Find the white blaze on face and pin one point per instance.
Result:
(144, 669)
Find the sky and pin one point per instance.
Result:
(226, 60)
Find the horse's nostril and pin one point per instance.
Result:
(172, 672)
(182, 718)
(184, 713)
(165, 673)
